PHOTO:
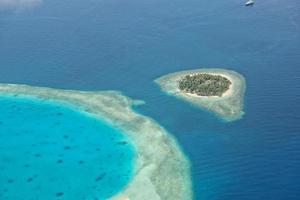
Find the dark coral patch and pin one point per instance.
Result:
(67, 147)
(59, 194)
(66, 136)
(100, 177)
(59, 161)
(29, 180)
(122, 143)
(10, 181)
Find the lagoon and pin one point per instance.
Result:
(54, 152)
(160, 168)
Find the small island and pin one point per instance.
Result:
(217, 90)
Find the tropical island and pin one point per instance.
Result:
(162, 171)
(203, 84)
(217, 90)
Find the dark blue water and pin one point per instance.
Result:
(124, 45)
(51, 152)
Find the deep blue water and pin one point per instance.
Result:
(48, 151)
(124, 45)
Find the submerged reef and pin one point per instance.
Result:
(162, 172)
(226, 101)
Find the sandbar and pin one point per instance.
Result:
(229, 106)
(162, 171)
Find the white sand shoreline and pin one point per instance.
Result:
(229, 106)
(162, 171)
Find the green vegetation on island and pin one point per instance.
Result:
(204, 84)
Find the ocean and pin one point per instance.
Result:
(124, 45)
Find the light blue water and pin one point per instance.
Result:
(51, 152)
(125, 44)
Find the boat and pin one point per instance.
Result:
(249, 3)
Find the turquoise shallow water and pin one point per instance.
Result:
(48, 151)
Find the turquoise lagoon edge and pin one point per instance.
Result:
(162, 171)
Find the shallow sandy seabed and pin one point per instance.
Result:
(229, 107)
(162, 172)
